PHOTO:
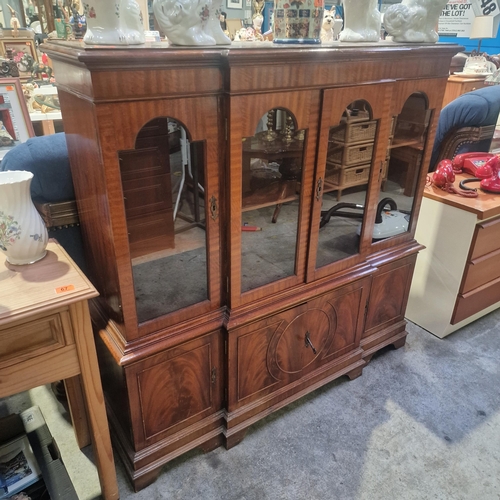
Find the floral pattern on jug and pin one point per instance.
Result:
(9, 230)
(113, 22)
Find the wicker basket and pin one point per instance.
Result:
(346, 177)
(353, 133)
(352, 155)
(355, 175)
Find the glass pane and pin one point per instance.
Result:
(163, 188)
(272, 172)
(348, 165)
(402, 168)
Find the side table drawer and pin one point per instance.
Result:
(481, 271)
(23, 341)
(480, 298)
(470, 86)
(486, 238)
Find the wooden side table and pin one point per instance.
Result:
(46, 335)
(458, 85)
(457, 276)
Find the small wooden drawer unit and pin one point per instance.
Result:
(457, 277)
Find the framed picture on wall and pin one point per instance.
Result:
(234, 4)
(15, 123)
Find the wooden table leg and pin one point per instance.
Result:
(48, 127)
(92, 390)
(78, 411)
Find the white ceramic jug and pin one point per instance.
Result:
(23, 235)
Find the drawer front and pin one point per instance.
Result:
(486, 238)
(24, 341)
(481, 271)
(480, 298)
(470, 86)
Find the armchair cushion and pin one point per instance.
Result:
(479, 108)
(47, 157)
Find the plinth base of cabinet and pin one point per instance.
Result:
(144, 466)
(395, 335)
(238, 421)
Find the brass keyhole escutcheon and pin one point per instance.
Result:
(319, 186)
(213, 208)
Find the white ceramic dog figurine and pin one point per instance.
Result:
(414, 20)
(361, 21)
(106, 27)
(191, 22)
(213, 26)
(331, 27)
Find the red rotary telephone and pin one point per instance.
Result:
(483, 166)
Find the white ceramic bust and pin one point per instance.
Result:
(414, 20)
(113, 22)
(361, 21)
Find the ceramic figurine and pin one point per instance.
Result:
(361, 21)
(331, 27)
(113, 22)
(213, 26)
(184, 21)
(414, 20)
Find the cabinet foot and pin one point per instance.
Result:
(146, 479)
(355, 373)
(211, 444)
(399, 343)
(234, 439)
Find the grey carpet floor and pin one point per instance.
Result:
(422, 422)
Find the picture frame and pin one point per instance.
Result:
(18, 466)
(15, 122)
(234, 4)
(24, 54)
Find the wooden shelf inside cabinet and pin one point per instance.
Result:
(264, 186)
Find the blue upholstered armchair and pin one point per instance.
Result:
(51, 188)
(466, 124)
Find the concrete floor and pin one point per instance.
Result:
(422, 422)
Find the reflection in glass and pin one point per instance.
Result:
(402, 167)
(272, 172)
(348, 165)
(163, 189)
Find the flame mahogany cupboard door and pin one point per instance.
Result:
(176, 398)
(385, 323)
(280, 358)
